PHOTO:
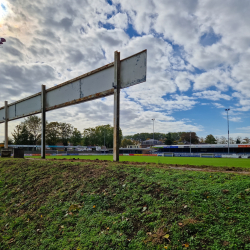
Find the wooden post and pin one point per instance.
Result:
(6, 145)
(117, 86)
(43, 111)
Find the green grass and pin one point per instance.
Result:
(105, 205)
(218, 162)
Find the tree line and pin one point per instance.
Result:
(28, 132)
(182, 138)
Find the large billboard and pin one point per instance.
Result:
(92, 85)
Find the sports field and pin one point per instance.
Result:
(218, 162)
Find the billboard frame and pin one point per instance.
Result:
(127, 72)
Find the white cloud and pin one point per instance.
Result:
(217, 78)
(211, 95)
(49, 43)
(244, 128)
(235, 119)
(120, 21)
(218, 105)
(183, 81)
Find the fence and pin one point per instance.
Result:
(243, 156)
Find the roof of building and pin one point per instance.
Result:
(205, 146)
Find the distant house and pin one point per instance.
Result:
(150, 143)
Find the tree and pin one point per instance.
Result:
(52, 133)
(201, 140)
(231, 140)
(28, 132)
(65, 132)
(246, 140)
(96, 136)
(238, 140)
(58, 132)
(169, 140)
(176, 136)
(158, 136)
(34, 126)
(210, 139)
(223, 140)
(76, 137)
(185, 137)
(144, 136)
(125, 142)
(21, 135)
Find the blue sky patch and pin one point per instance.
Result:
(109, 2)
(209, 38)
(3, 6)
(198, 71)
(107, 26)
(131, 31)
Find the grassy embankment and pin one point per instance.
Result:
(104, 205)
(218, 162)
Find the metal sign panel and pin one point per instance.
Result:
(2, 115)
(137, 67)
(95, 84)
(26, 107)
(90, 87)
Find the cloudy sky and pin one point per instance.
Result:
(198, 60)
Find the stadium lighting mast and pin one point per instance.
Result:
(228, 130)
(190, 142)
(153, 129)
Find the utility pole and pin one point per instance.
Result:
(190, 142)
(153, 129)
(228, 130)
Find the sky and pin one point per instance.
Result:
(197, 65)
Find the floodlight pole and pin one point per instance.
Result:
(153, 129)
(6, 125)
(104, 138)
(104, 141)
(228, 130)
(43, 111)
(117, 86)
(190, 142)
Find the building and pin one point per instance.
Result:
(205, 148)
(149, 143)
